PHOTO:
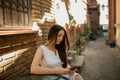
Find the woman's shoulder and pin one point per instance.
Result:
(42, 47)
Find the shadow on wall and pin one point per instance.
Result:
(16, 55)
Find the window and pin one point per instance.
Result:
(15, 13)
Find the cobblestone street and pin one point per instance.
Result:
(101, 62)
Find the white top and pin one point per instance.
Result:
(50, 59)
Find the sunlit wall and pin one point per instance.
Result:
(117, 25)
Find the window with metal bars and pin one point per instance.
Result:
(15, 13)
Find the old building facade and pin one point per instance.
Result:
(93, 14)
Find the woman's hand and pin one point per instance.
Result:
(72, 70)
(62, 70)
(65, 71)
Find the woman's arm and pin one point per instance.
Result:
(37, 69)
(72, 69)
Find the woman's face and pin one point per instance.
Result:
(60, 36)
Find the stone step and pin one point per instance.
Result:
(78, 61)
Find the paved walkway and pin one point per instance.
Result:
(101, 62)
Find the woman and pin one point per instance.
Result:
(51, 58)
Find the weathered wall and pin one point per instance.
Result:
(16, 53)
(118, 22)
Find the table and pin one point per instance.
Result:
(41, 77)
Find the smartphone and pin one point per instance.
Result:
(74, 67)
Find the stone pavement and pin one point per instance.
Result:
(100, 61)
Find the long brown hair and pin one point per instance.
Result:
(63, 45)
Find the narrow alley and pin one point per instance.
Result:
(101, 62)
(25, 26)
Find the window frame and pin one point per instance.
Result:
(15, 13)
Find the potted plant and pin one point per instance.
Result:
(112, 44)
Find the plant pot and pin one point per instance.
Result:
(112, 44)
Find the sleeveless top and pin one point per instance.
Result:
(50, 60)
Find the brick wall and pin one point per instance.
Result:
(17, 51)
(43, 14)
(16, 54)
(73, 33)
